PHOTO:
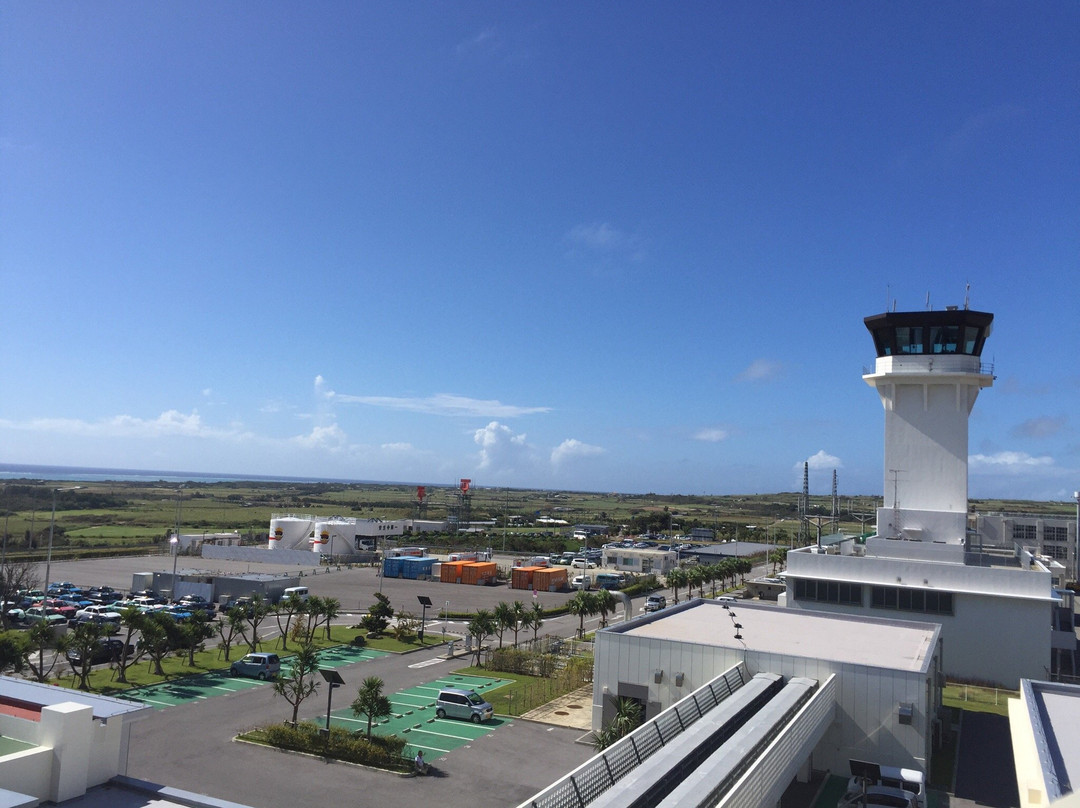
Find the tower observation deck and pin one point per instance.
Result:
(928, 373)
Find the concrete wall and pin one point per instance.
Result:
(301, 558)
(868, 698)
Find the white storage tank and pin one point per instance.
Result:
(333, 536)
(290, 532)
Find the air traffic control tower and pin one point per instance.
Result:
(928, 374)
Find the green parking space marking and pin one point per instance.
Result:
(187, 689)
(413, 717)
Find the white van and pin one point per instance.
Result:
(300, 592)
(912, 781)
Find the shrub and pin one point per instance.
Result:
(381, 751)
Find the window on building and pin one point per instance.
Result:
(828, 592)
(1055, 533)
(925, 601)
(1024, 533)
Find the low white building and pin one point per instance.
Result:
(56, 743)
(640, 560)
(888, 672)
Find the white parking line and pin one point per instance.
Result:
(426, 662)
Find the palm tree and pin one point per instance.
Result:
(504, 619)
(371, 702)
(536, 619)
(301, 681)
(481, 627)
(330, 611)
(583, 605)
(132, 620)
(521, 617)
(675, 578)
(605, 604)
(627, 718)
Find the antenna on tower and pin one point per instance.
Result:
(835, 501)
(967, 295)
(804, 501)
(928, 300)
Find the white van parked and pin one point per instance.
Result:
(300, 592)
(911, 781)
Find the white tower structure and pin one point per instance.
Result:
(928, 374)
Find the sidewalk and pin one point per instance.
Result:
(574, 710)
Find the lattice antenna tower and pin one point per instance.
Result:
(835, 501)
(804, 504)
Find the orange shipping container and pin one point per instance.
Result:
(549, 579)
(479, 573)
(450, 573)
(522, 577)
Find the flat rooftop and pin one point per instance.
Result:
(850, 639)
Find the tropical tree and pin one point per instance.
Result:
(627, 718)
(229, 628)
(193, 632)
(301, 681)
(676, 578)
(255, 612)
(521, 615)
(331, 609)
(81, 641)
(605, 604)
(481, 627)
(12, 651)
(40, 637)
(371, 702)
(536, 619)
(378, 616)
(504, 619)
(582, 605)
(131, 621)
(778, 557)
(157, 638)
(314, 608)
(285, 612)
(15, 576)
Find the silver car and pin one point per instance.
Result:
(257, 666)
(465, 704)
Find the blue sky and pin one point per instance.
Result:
(599, 246)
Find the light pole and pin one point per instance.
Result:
(1076, 555)
(333, 679)
(52, 525)
(175, 540)
(425, 601)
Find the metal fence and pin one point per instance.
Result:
(599, 773)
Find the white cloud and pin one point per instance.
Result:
(485, 39)
(822, 460)
(500, 448)
(169, 423)
(571, 448)
(711, 434)
(332, 438)
(761, 370)
(601, 237)
(1009, 462)
(440, 404)
(1042, 427)
(397, 447)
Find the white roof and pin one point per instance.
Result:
(851, 639)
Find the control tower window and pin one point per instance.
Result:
(971, 336)
(944, 338)
(909, 339)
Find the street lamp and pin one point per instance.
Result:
(52, 525)
(175, 540)
(425, 601)
(333, 679)
(1076, 556)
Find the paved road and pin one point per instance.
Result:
(190, 746)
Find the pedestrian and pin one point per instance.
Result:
(421, 767)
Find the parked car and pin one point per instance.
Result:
(109, 621)
(581, 582)
(35, 614)
(654, 603)
(257, 666)
(190, 602)
(583, 563)
(106, 649)
(880, 797)
(454, 702)
(95, 609)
